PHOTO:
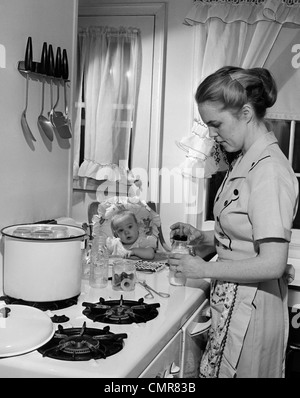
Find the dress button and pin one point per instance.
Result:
(236, 192)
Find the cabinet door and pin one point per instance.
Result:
(166, 364)
(194, 338)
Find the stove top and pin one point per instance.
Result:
(42, 305)
(120, 311)
(82, 344)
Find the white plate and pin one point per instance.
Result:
(25, 329)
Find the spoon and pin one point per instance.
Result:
(24, 123)
(43, 123)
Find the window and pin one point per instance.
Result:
(288, 134)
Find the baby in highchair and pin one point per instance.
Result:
(128, 241)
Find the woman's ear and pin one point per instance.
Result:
(247, 112)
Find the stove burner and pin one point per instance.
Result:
(120, 311)
(82, 344)
(42, 305)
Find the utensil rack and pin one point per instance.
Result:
(39, 76)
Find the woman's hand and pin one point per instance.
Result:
(194, 236)
(190, 266)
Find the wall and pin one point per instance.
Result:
(35, 176)
(177, 104)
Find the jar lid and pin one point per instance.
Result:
(181, 238)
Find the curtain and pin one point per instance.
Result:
(230, 32)
(109, 62)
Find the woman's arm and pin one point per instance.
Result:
(269, 264)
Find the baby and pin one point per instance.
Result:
(128, 241)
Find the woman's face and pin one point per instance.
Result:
(224, 127)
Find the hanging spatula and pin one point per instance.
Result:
(64, 127)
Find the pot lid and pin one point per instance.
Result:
(24, 329)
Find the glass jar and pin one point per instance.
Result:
(179, 245)
(123, 275)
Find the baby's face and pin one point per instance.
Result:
(127, 229)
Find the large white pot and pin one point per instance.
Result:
(42, 269)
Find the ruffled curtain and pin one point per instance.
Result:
(249, 11)
(109, 64)
(228, 32)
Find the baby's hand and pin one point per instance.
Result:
(128, 254)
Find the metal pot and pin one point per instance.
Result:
(42, 262)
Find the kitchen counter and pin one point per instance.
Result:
(144, 341)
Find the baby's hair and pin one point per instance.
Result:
(119, 214)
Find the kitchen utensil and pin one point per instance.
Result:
(42, 269)
(28, 55)
(24, 123)
(24, 329)
(44, 124)
(57, 117)
(50, 72)
(150, 290)
(28, 65)
(63, 124)
(58, 64)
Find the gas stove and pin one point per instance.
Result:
(103, 315)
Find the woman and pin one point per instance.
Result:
(254, 210)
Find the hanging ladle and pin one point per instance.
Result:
(28, 65)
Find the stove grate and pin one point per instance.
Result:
(42, 305)
(120, 311)
(82, 344)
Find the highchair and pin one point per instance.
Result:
(100, 213)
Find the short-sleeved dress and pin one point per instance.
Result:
(257, 199)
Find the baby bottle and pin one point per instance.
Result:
(179, 245)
